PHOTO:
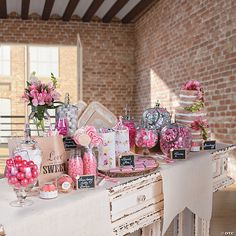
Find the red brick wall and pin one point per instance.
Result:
(108, 54)
(181, 40)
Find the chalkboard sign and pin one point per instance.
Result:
(69, 143)
(178, 154)
(209, 145)
(127, 160)
(85, 181)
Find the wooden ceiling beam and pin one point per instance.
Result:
(143, 4)
(114, 10)
(3, 9)
(25, 9)
(70, 9)
(92, 10)
(47, 9)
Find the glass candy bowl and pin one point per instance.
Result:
(155, 118)
(22, 176)
(146, 139)
(175, 136)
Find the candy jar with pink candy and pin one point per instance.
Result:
(75, 164)
(146, 139)
(175, 136)
(22, 176)
(62, 124)
(88, 138)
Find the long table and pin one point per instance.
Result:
(135, 203)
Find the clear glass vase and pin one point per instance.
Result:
(21, 194)
(39, 115)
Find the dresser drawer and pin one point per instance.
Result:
(140, 198)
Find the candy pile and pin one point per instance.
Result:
(48, 191)
(146, 138)
(175, 137)
(21, 173)
(90, 163)
(65, 184)
(75, 166)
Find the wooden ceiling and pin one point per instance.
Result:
(106, 11)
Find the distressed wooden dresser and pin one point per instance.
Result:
(137, 203)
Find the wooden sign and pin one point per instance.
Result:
(127, 160)
(209, 145)
(69, 143)
(178, 154)
(85, 181)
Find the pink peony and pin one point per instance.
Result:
(192, 85)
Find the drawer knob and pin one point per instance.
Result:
(141, 198)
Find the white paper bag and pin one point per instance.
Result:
(107, 156)
(122, 142)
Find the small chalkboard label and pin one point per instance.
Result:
(127, 160)
(69, 143)
(85, 181)
(178, 154)
(209, 145)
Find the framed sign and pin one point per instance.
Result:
(85, 181)
(209, 145)
(178, 154)
(69, 143)
(127, 160)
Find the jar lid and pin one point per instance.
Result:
(28, 144)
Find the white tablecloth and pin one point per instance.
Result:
(188, 183)
(83, 212)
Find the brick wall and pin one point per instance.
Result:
(181, 40)
(108, 54)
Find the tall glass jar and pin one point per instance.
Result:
(175, 136)
(90, 162)
(75, 165)
(62, 125)
(71, 113)
(28, 149)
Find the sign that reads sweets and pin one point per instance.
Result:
(209, 145)
(85, 181)
(178, 154)
(127, 160)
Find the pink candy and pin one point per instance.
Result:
(146, 138)
(90, 163)
(21, 173)
(62, 126)
(75, 167)
(174, 137)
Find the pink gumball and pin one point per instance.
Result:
(35, 173)
(32, 180)
(18, 158)
(28, 175)
(9, 162)
(30, 163)
(24, 182)
(13, 179)
(24, 162)
(14, 170)
(20, 175)
(34, 167)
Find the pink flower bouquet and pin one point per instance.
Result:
(41, 96)
(202, 125)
